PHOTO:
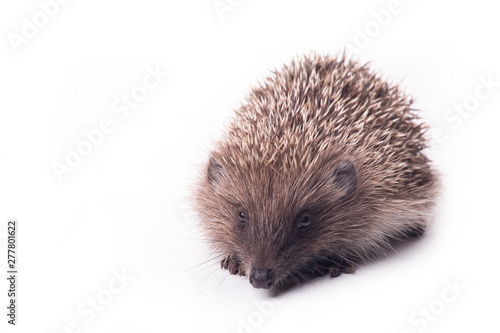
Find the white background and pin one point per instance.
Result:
(124, 206)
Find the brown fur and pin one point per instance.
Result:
(325, 138)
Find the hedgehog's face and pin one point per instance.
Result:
(275, 226)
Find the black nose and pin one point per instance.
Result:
(262, 278)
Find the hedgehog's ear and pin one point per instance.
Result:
(215, 170)
(345, 178)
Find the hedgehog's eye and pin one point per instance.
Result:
(242, 217)
(305, 222)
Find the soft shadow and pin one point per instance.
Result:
(397, 248)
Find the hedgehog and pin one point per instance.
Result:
(321, 169)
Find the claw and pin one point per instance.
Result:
(340, 266)
(232, 265)
(334, 271)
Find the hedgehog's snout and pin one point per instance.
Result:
(262, 277)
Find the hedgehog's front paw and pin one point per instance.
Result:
(232, 264)
(339, 266)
